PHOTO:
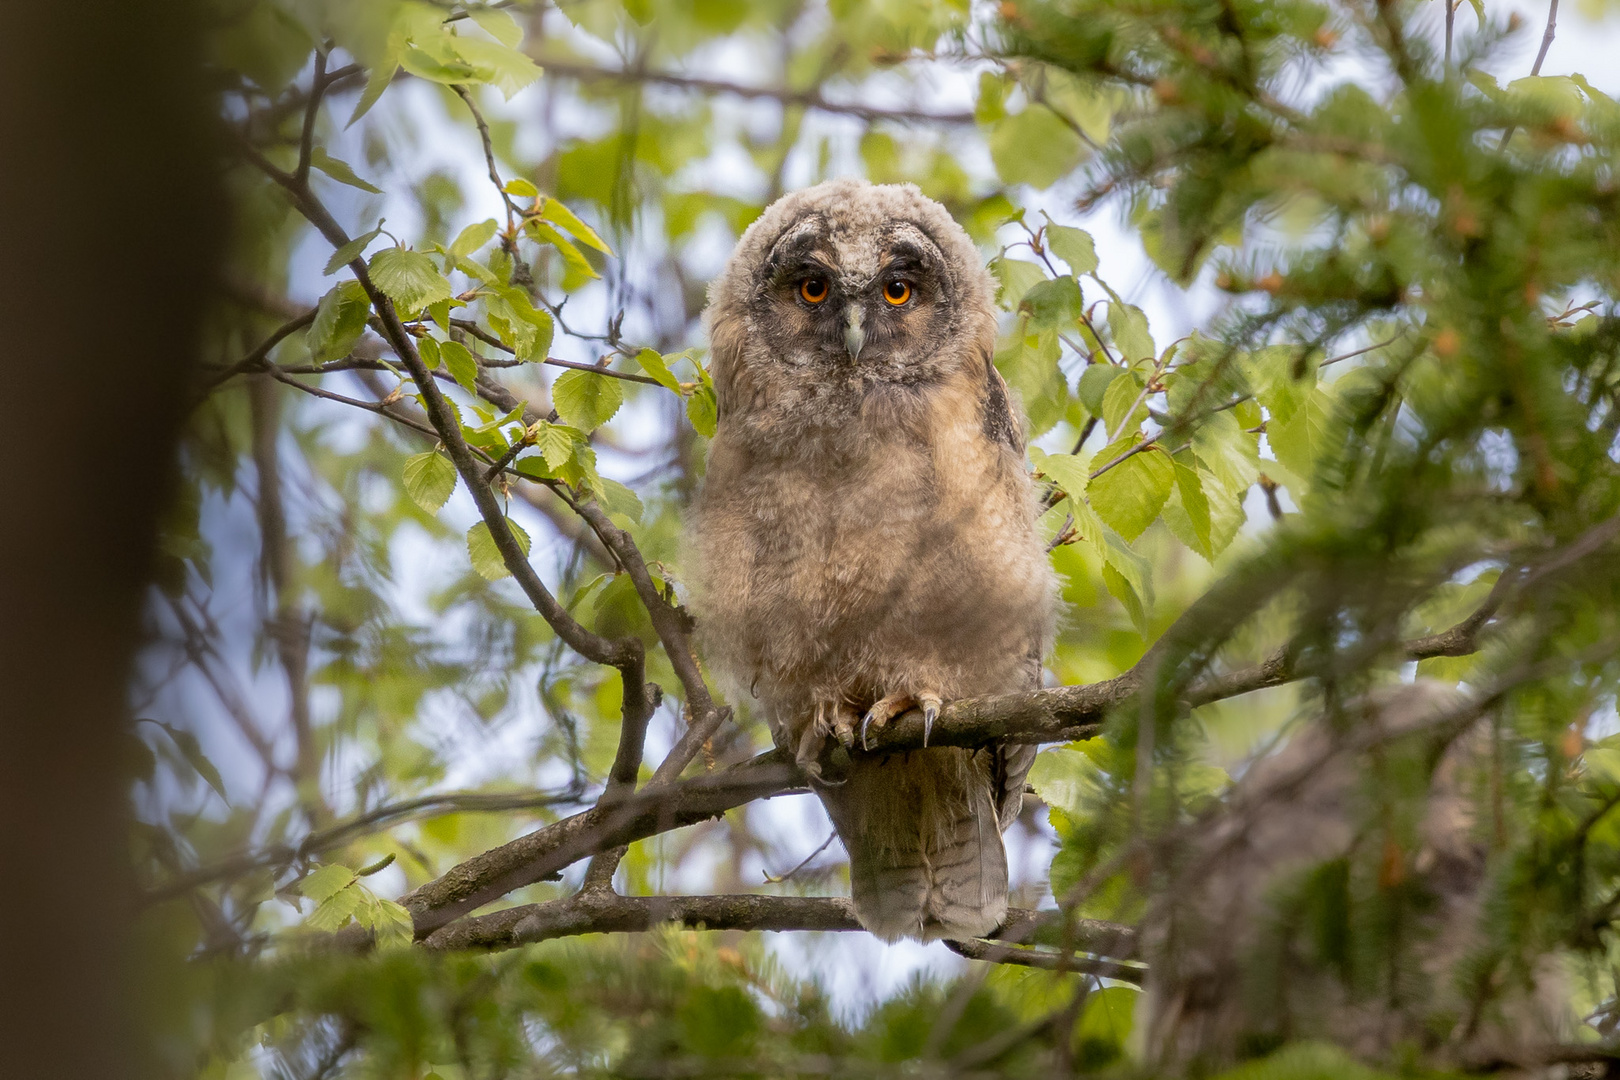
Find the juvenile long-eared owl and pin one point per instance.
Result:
(866, 534)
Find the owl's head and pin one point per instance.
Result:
(848, 278)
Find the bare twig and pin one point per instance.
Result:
(383, 817)
(771, 879)
(1546, 37)
(512, 211)
(288, 623)
(809, 99)
(312, 108)
(258, 358)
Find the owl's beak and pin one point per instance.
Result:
(854, 332)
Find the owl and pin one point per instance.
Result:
(865, 538)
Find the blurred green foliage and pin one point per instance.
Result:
(1411, 388)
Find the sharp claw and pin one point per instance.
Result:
(930, 714)
(866, 724)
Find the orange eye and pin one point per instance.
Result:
(814, 290)
(897, 292)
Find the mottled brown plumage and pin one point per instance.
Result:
(865, 537)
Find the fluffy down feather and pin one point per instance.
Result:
(867, 530)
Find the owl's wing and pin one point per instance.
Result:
(1001, 423)
(1010, 762)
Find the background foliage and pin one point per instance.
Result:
(1404, 407)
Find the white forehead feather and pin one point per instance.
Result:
(857, 212)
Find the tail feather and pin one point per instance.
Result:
(924, 841)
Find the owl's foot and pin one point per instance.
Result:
(887, 708)
(834, 720)
(841, 722)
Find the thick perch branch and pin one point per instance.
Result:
(1058, 714)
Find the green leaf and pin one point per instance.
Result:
(1034, 147)
(1119, 587)
(340, 171)
(429, 480)
(534, 467)
(449, 72)
(1227, 451)
(326, 882)
(497, 24)
(1304, 1061)
(391, 923)
(1187, 512)
(577, 268)
(428, 349)
(1052, 304)
(1281, 377)
(339, 321)
(334, 912)
(1124, 407)
(1073, 246)
(382, 74)
(1088, 525)
(1068, 471)
(1230, 460)
(1106, 1023)
(520, 187)
(1017, 277)
(461, 365)
(351, 251)
(1094, 384)
(1129, 496)
(1029, 363)
(532, 327)
(191, 750)
(408, 278)
(503, 67)
(991, 104)
(585, 399)
(439, 312)
(486, 557)
(1130, 329)
(554, 211)
(654, 365)
(1300, 441)
(700, 409)
(1066, 778)
(618, 499)
(472, 238)
(556, 445)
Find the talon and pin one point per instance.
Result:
(931, 705)
(843, 725)
(866, 724)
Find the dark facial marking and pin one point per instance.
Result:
(999, 425)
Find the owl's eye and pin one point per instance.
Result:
(897, 292)
(813, 290)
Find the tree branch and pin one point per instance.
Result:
(1058, 714)
(257, 359)
(383, 817)
(809, 99)
(599, 911)
(534, 857)
(1049, 960)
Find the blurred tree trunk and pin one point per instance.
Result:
(111, 221)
